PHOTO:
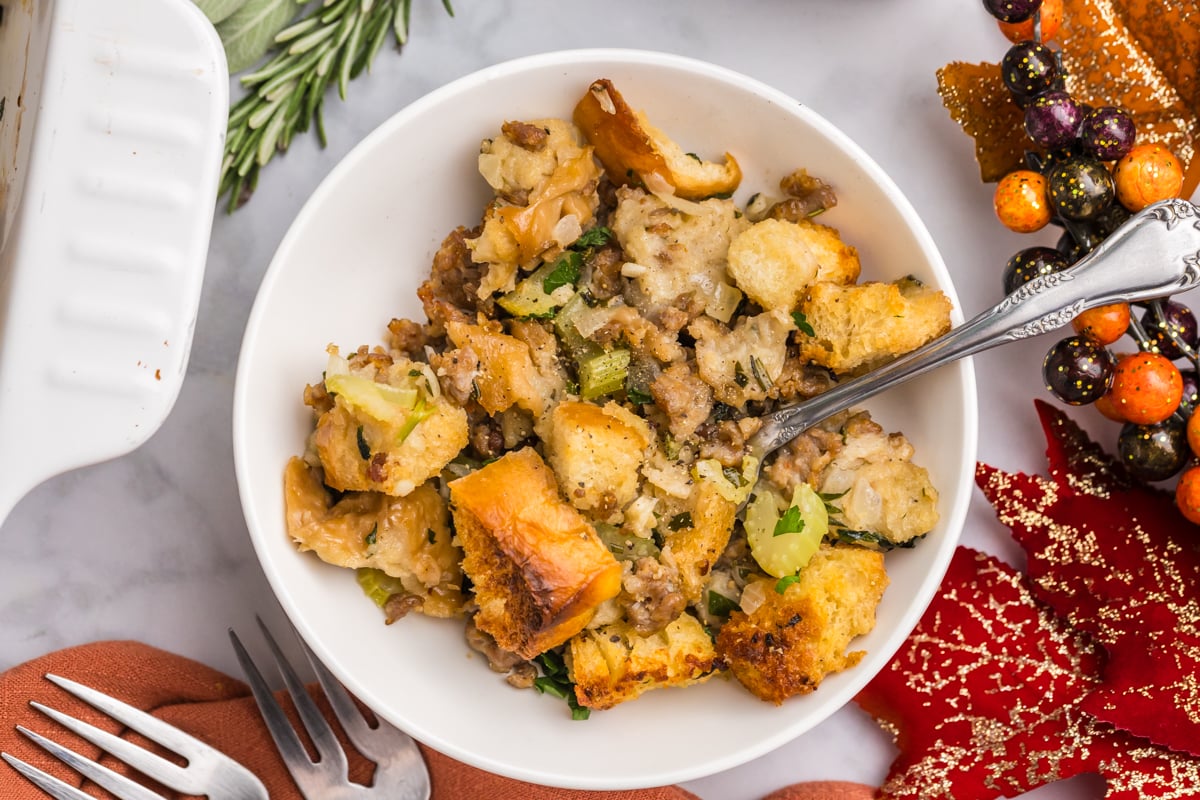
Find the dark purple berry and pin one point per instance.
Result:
(1077, 370)
(1154, 452)
(1052, 119)
(1028, 69)
(1079, 189)
(1012, 10)
(1107, 133)
(1191, 392)
(1111, 218)
(1176, 324)
(1077, 242)
(1029, 264)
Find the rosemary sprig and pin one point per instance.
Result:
(333, 43)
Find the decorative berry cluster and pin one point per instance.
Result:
(1086, 174)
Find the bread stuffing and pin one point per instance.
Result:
(557, 457)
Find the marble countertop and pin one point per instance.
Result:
(153, 547)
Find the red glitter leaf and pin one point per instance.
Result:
(1120, 563)
(985, 700)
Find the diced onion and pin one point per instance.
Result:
(639, 516)
(672, 479)
(658, 186)
(753, 596)
(631, 269)
(432, 385)
(566, 230)
(589, 320)
(489, 168)
(336, 365)
(724, 302)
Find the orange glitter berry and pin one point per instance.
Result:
(1146, 388)
(1103, 324)
(1106, 408)
(1187, 494)
(1020, 201)
(1052, 16)
(1193, 433)
(1146, 174)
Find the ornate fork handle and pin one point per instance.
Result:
(1153, 254)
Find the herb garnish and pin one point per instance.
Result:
(789, 522)
(739, 375)
(721, 606)
(781, 585)
(566, 270)
(431, 535)
(364, 449)
(554, 682)
(333, 43)
(371, 537)
(595, 237)
(803, 324)
(759, 370)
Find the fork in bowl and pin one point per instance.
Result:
(208, 771)
(400, 772)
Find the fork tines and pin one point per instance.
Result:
(206, 767)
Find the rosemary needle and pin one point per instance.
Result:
(334, 43)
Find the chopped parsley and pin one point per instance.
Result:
(431, 535)
(803, 324)
(868, 538)
(566, 271)
(371, 537)
(739, 375)
(364, 449)
(789, 522)
(594, 238)
(781, 585)
(721, 606)
(637, 396)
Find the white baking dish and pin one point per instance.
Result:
(110, 150)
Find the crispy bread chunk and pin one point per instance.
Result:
(631, 148)
(774, 261)
(788, 644)
(694, 550)
(743, 363)
(612, 664)
(596, 451)
(507, 374)
(406, 537)
(385, 432)
(538, 567)
(860, 327)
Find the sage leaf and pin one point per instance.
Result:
(250, 31)
(218, 10)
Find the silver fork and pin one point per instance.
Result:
(208, 771)
(400, 772)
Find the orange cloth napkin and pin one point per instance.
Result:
(221, 711)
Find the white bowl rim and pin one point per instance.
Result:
(954, 518)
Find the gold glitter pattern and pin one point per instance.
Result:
(1118, 562)
(1141, 55)
(986, 701)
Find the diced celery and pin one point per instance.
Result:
(625, 547)
(530, 299)
(603, 373)
(784, 549)
(377, 400)
(710, 469)
(378, 585)
(577, 346)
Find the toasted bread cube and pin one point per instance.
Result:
(860, 327)
(612, 663)
(694, 550)
(508, 375)
(538, 567)
(406, 537)
(788, 644)
(631, 148)
(596, 452)
(383, 446)
(774, 261)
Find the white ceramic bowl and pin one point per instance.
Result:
(353, 260)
